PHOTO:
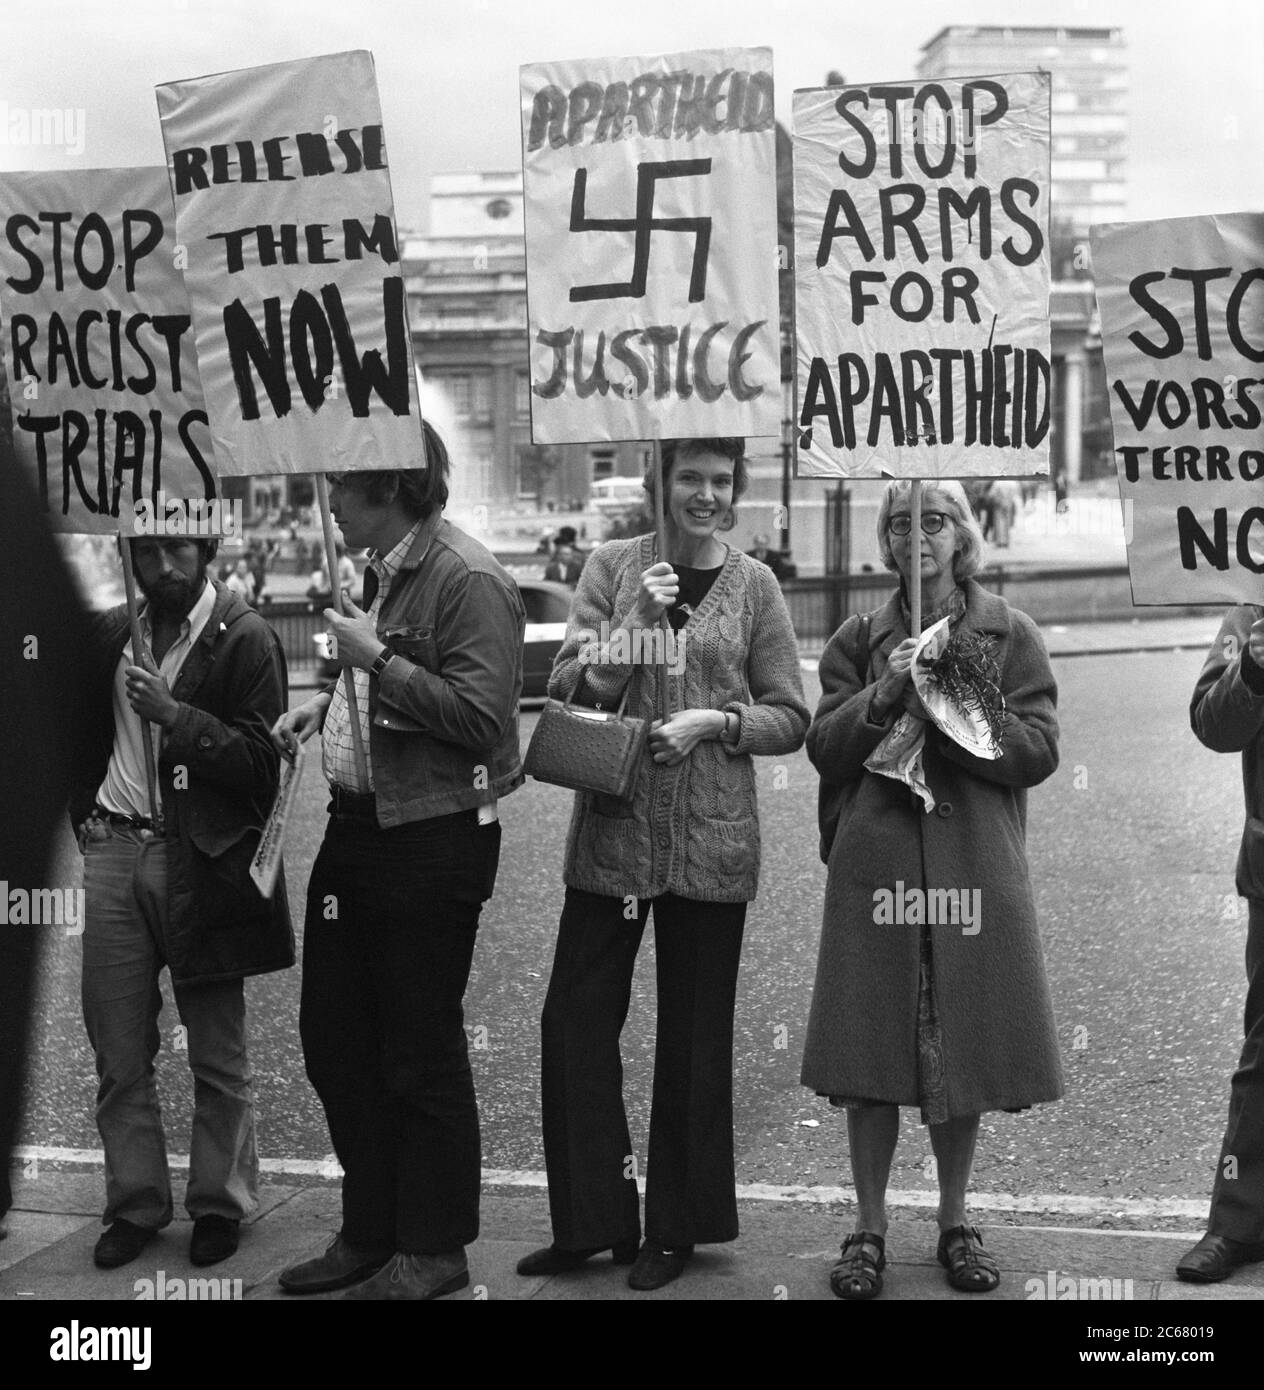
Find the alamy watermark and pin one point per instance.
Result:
(188, 516)
(160, 1289)
(1067, 1287)
(936, 907)
(43, 907)
(59, 127)
(638, 646)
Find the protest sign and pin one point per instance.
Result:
(1182, 310)
(922, 278)
(651, 217)
(284, 212)
(108, 416)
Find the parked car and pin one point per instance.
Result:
(548, 605)
(610, 496)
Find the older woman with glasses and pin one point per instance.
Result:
(930, 986)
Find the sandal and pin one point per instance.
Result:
(859, 1274)
(970, 1268)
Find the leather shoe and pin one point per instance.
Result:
(214, 1239)
(339, 1266)
(1215, 1258)
(655, 1266)
(121, 1243)
(415, 1278)
(551, 1260)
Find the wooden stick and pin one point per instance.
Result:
(348, 676)
(915, 556)
(660, 537)
(138, 659)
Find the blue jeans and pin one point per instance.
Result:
(125, 878)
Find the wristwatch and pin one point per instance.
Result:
(380, 664)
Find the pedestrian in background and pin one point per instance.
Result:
(565, 567)
(763, 552)
(1227, 714)
(242, 582)
(952, 1021)
(686, 849)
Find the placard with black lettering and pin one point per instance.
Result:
(284, 209)
(921, 230)
(108, 415)
(1182, 310)
(651, 216)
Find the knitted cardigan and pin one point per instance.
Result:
(692, 829)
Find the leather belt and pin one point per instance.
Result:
(343, 802)
(126, 822)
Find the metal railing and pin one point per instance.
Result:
(296, 622)
(820, 604)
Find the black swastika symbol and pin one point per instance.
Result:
(644, 224)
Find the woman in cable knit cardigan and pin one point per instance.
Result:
(687, 847)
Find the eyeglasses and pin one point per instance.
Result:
(901, 523)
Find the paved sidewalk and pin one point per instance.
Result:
(785, 1252)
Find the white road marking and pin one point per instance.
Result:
(1058, 1202)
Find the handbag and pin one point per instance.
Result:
(590, 750)
(587, 750)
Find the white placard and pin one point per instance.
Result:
(922, 278)
(651, 217)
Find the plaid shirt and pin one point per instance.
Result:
(337, 749)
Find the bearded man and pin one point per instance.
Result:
(168, 884)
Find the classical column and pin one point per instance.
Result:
(1072, 412)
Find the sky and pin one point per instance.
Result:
(448, 72)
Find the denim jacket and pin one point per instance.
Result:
(444, 715)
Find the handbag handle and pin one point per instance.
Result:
(623, 703)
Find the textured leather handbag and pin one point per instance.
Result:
(588, 750)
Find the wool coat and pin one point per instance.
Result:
(691, 829)
(999, 1042)
(1227, 715)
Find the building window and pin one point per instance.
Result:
(602, 463)
(481, 403)
(460, 395)
(522, 394)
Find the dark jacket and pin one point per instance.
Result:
(444, 732)
(999, 1043)
(1227, 714)
(231, 689)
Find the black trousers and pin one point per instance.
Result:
(391, 921)
(689, 1183)
(1237, 1201)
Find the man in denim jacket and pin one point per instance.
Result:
(408, 859)
(1227, 713)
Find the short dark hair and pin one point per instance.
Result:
(731, 447)
(421, 491)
